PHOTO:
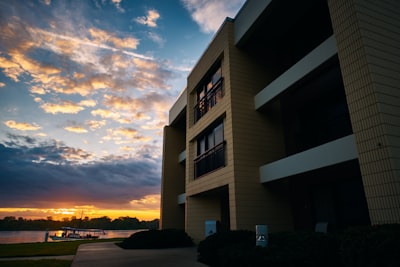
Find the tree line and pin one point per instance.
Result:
(11, 223)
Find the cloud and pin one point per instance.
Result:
(63, 107)
(117, 4)
(147, 202)
(37, 90)
(93, 124)
(150, 19)
(126, 132)
(105, 114)
(88, 103)
(2, 84)
(55, 177)
(76, 129)
(22, 126)
(101, 37)
(210, 14)
(156, 38)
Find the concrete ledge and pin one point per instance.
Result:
(310, 62)
(340, 150)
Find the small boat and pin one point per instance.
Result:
(71, 234)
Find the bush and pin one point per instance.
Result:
(155, 239)
(369, 246)
(212, 250)
(237, 248)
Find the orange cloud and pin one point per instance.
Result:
(11, 69)
(73, 154)
(103, 37)
(32, 66)
(78, 75)
(88, 103)
(127, 132)
(106, 114)
(145, 64)
(120, 103)
(64, 107)
(22, 126)
(150, 19)
(147, 203)
(93, 124)
(37, 90)
(76, 129)
(126, 148)
(2, 84)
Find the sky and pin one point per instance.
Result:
(85, 90)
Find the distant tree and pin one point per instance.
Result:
(121, 223)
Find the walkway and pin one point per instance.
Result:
(108, 254)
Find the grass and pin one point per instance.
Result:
(43, 249)
(36, 263)
(46, 249)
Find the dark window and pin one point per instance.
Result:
(208, 94)
(210, 151)
(315, 112)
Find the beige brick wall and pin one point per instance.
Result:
(252, 139)
(257, 140)
(200, 210)
(173, 182)
(368, 41)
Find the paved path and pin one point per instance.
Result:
(108, 254)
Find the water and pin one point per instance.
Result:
(9, 237)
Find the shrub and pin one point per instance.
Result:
(370, 246)
(155, 239)
(212, 250)
(237, 248)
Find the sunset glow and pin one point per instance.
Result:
(147, 210)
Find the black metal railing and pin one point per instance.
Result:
(210, 160)
(209, 100)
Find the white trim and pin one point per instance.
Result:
(247, 16)
(310, 62)
(340, 150)
(182, 156)
(178, 106)
(182, 198)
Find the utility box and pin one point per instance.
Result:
(211, 227)
(261, 235)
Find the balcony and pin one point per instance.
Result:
(211, 160)
(335, 152)
(213, 96)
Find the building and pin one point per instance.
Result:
(291, 117)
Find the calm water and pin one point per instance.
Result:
(9, 237)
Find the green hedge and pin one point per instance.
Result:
(362, 246)
(377, 245)
(151, 239)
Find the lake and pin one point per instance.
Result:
(9, 237)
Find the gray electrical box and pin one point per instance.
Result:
(211, 227)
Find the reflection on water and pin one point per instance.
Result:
(9, 237)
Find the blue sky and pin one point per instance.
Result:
(85, 89)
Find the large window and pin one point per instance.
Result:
(208, 94)
(210, 151)
(316, 111)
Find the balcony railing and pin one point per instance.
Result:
(213, 96)
(212, 159)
